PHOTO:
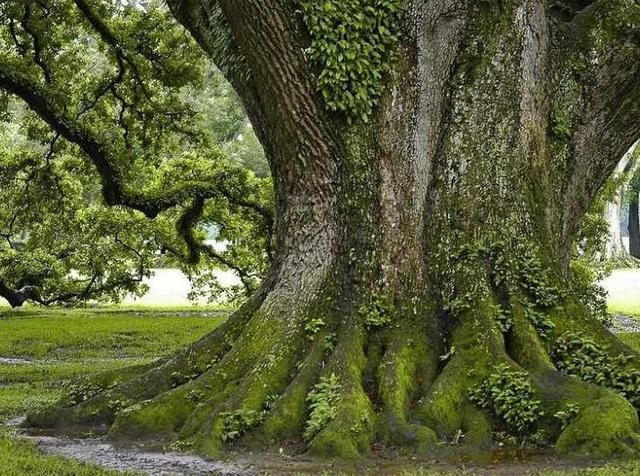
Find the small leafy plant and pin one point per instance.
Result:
(376, 313)
(238, 422)
(566, 416)
(312, 327)
(576, 354)
(509, 394)
(322, 401)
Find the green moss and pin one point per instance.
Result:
(350, 431)
(606, 427)
(288, 414)
(406, 370)
(153, 417)
(479, 346)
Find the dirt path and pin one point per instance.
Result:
(101, 452)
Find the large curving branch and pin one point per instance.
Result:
(609, 119)
(208, 26)
(115, 190)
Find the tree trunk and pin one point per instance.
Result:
(418, 253)
(634, 226)
(615, 246)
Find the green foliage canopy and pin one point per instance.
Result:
(119, 113)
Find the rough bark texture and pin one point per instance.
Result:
(442, 227)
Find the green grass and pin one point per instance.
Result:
(632, 340)
(628, 306)
(68, 334)
(66, 344)
(19, 457)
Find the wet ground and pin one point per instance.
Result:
(622, 323)
(99, 451)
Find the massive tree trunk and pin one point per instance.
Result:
(419, 253)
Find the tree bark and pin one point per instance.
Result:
(443, 227)
(634, 226)
(615, 247)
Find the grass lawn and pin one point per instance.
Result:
(64, 344)
(623, 286)
(628, 306)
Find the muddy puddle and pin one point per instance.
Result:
(12, 361)
(97, 450)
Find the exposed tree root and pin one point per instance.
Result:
(250, 381)
(476, 347)
(103, 396)
(605, 423)
(405, 372)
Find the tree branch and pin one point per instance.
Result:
(609, 118)
(114, 189)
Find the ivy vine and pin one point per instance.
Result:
(353, 45)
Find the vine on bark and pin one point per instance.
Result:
(353, 46)
(518, 272)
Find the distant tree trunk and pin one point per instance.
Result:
(441, 227)
(634, 225)
(615, 246)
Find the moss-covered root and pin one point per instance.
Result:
(226, 400)
(345, 427)
(607, 426)
(598, 422)
(477, 346)
(288, 413)
(407, 369)
(96, 399)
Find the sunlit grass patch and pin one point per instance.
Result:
(69, 334)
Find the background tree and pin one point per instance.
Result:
(62, 245)
(633, 212)
(432, 163)
(615, 195)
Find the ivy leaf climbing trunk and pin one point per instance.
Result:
(432, 162)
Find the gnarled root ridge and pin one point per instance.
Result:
(336, 383)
